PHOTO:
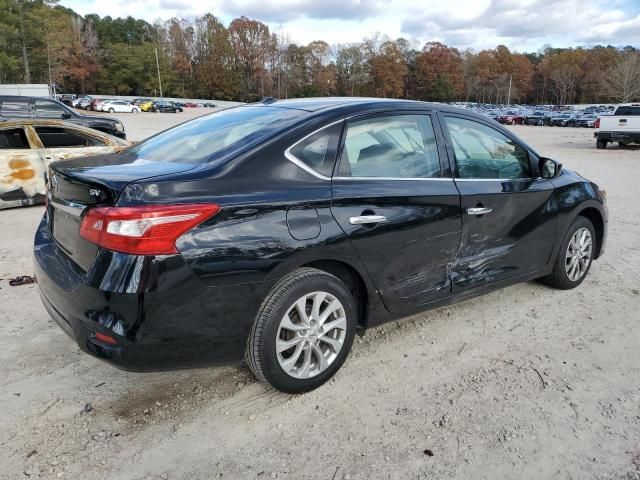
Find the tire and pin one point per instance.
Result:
(111, 110)
(175, 110)
(135, 110)
(560, 277)
(601, 144)
(279, 311)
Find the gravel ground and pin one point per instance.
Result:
(527, 382)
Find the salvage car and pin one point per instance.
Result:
(511, 118)
(120, 106)
(271, 232)
(16, 107)
(27, 147)
(564, 120)
(587, 120)
(165, 107)
(538, 118)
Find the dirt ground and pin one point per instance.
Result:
(527, 382)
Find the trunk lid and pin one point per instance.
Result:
(77, 185)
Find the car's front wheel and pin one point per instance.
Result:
(575, 256)
(303, 331)
(111, 110)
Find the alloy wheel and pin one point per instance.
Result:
(311, 335)
(578, 256)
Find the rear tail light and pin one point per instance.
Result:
(596, 124)
(104, 338)
(144, 230)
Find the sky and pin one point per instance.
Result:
(522, 25)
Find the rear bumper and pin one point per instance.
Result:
(618, 136)
(161, 316)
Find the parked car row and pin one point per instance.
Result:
(134, 105)
(544, 115)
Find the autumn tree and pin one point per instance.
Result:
(352, 70)
(388, 70)
(251, 42)
(216, 74)
(439, 73)
(623, 79)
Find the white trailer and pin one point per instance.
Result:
(26, 90)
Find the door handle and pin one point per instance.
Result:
(479, 211)
(366, 219)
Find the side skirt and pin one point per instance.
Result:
(379, 317)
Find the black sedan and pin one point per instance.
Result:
(18, 107)
(272, 232)
(564, 120)
(166, 107)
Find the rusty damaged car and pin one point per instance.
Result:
(27, 147)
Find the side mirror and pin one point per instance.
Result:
(549, 168)
(65, 115)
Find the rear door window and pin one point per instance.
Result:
(393, 146)
(14, 138)
(60, 137)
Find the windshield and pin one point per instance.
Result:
(212, 136)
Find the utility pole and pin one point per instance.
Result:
(51, 85)
(509, 98)
(158, 67)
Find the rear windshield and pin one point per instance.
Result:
(213, 136)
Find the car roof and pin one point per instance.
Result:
(327, 103)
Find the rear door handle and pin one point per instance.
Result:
(479, 211)
(365, 219)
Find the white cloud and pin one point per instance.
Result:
(524, 25)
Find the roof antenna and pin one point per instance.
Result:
(268, 100)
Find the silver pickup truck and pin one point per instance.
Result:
(622, 127)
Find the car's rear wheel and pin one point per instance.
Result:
(135, 110)
(111, 110)
(303, 331)
(601, 144)
(575, 256)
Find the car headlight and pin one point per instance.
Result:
(119, 127)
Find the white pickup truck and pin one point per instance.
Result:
(622, 127)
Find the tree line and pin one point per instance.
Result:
(42, 42)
